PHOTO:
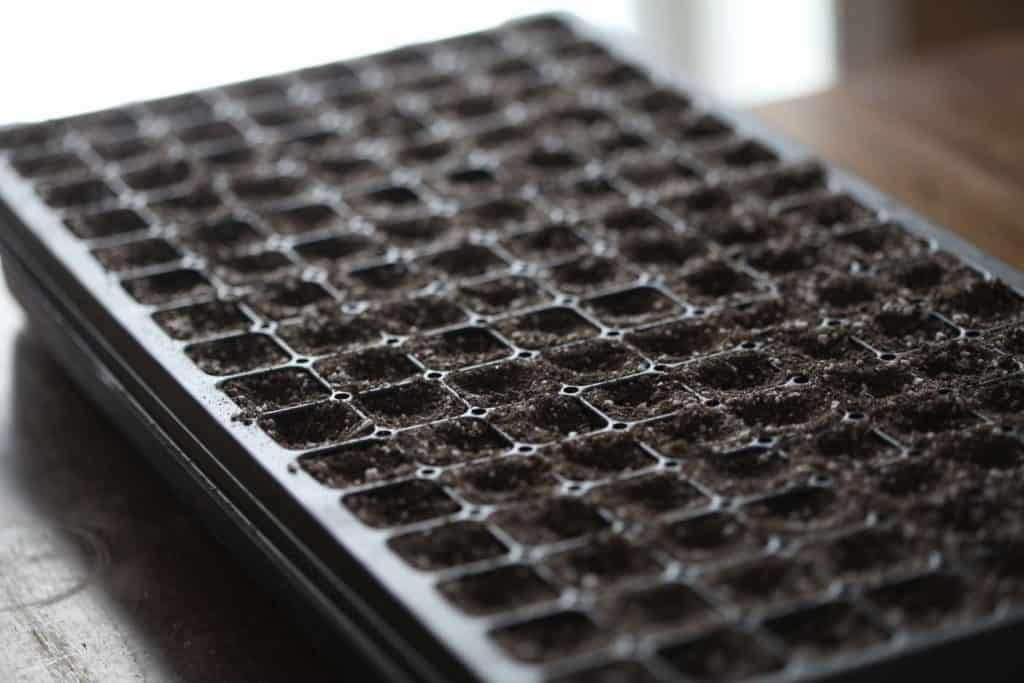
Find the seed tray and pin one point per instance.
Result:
(506, 359)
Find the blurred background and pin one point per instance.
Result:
(66, 57)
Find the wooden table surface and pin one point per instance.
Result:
(104, 576)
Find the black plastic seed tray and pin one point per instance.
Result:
(505, 359)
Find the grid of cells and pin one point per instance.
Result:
(649, 400)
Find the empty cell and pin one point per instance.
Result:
(403, 405)
(292, 298)
(474, 106)
(336, 74)
(427, 153)
(458, 348)
(841, 442)
(273, 390)
(725, 654)
(187, 106)
(447, 546)
(982, 303)
(779, 407)
(282, 117)
(266, 188)
(704, 202)
(500, 383)
(318, 336)
(633, 220)
(679, 339)
(828, 211)
(78, 193)
(733, 371)
(816, 343)
(305, 218)
(386, 200)
(202, 320)
(348, 170)
(709, 537)
(453, 441)
(962, 360)
(551, 159)
(842, 291)
(660, 100)
(900, 326)
(600, 457)
(799, 178)
(587, 194)
(33, 135)
(413, 231)
(826, 629)
(241, 353)
(547, 418)
(661, 251)
(589, 274)
(664, 606)
(604, 562)
(549, 637)
(550, 520)
(140, 254)
(690, 429)
(310, 426)
(712, 279)
(386, 279)
(360, 370)
(740, 155)
(740, 229)
(696, 128)
(873, 551)
(509, 479)
(640, 397)
(999, 398)
(667, 176)
(501, 295)
(112, 122)
(159, 176)
(167, 287)
(406, 502)
(499, 213)
(550, 243)
(885, 241)
(632, 307)
(261, 266)
(647, 496)
(546, 327)
(921, 413)
(740, 469)
(498, 590)
(766, 581)
(127, 149)
(211, 132)
(332, 252)
(593, 361)
(418, 314)
(784, 256)
(358, 463)
(925, 601)
(48, 165)
(465, 260)
(985, 446)
(222, 235)
(802, 508)
(197, 200)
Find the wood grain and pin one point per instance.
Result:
(943, 133)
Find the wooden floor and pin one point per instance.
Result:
(103, 576)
